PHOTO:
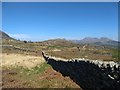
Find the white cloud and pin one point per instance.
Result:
(29, 37)
(20, 36)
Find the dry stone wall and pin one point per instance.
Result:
(89, 74)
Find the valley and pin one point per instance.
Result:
(24, 66)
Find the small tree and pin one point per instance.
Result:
(25, 41)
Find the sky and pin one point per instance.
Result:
(38, 21)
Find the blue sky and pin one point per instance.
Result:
(42, 21)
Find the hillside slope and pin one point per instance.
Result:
(4, 35)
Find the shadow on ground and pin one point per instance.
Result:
(88, 75)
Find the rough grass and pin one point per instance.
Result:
(42, 76)
(39, 69)
(67, 50)
(116, 54)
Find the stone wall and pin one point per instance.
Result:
(88, 74)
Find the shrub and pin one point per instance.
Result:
(25, 41)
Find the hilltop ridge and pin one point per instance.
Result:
(5, 35)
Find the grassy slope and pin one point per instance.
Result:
(42, 76)
(66, 49)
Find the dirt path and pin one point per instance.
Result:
(21, 60)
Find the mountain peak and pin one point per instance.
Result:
(4, 35)
(105, 39)
(94, 40)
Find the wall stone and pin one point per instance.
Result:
(88, 74)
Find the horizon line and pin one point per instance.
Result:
(39, 40)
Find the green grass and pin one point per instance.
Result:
(116, 54)
(28, 74)
(40, 68)
(30, 71)
(57, 47)
(37, 77)
(35, 70)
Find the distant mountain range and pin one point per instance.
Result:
(92, 40)
(88, 40)
(97, 41)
